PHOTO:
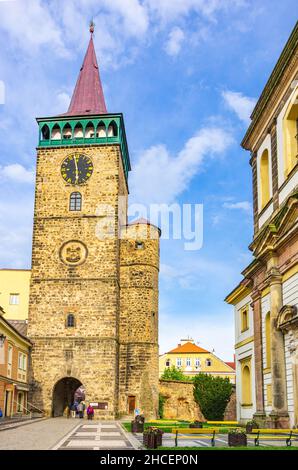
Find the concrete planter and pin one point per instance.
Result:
(196, 424)
(152, 439)
(237, 439)
(137, 427)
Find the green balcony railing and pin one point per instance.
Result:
(112, 126)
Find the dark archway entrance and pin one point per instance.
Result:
(65, 392)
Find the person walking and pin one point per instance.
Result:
(73, 410)
(90, 412)
(81, 408)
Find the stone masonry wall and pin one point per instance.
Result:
(139, 318)
(180, 402)
(89, 351)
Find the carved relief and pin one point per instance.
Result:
(73, 253)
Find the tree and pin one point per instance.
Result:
(212, 395)
(172, 373)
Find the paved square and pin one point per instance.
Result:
(97, 436)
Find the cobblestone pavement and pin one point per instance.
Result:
(92, 435)
(39, 435)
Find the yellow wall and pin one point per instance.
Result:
(15, 281)
(217, 368)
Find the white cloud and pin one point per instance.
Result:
(17, 173)
(243, 205)
(174, 42)
(241, 105)
(171, 10)
(170, 174)
(31, 26)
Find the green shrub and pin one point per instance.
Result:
(161, 402)
(172, 373)
(212, 395)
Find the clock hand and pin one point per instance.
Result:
(76, 165)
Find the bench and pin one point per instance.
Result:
(207, 433)
(290, 434)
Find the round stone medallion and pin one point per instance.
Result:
(73, 253)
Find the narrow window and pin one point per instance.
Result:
(14, 299)
(198, 362)
(264, 173)
(290, 135)
(70, 322)
(269, 395)
(244, 319)
(246, 386)
(45, 132)
(112, 130)
(56, 133)
(75, 201)
(67, 132)
(179, 362)
(208, 362)
(139, 245)
(188, 362)
(168, 363)
(268, 340)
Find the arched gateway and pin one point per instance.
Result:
(65, 392)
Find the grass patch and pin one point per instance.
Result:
(168, 425)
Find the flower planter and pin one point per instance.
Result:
(152, 439)
(196, 424)
(250, 426)
(237, 439)
(137, 427)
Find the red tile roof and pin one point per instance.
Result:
(88, 97)
(188, 348)
(231, 364)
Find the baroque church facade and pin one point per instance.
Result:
(93, 308)
(266, 300)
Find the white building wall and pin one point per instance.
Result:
(245, 351)
(290, 297)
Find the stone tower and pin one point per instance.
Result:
(94, 289)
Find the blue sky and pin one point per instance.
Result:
(186, 74)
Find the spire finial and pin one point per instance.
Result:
(91, 27)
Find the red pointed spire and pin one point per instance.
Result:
(88, 97)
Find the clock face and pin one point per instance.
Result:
(76, 168)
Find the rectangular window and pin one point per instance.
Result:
(179, 362)
(22, 362)
(14, 299)
(269, 395)
(9, 356)
(244, 319)
(20, 365)
(188, 362)
(198, 363)
(9, 360)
